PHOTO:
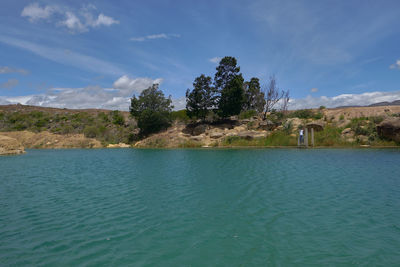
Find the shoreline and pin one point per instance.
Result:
(222, 148)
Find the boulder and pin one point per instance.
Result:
(198, 138)
(10, 146)
(389, 129)
(120, 145)
(216, 135)
(347, 131)
(199, 129)
(266, 125)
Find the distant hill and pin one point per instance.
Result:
(394, 103)
(379, 104)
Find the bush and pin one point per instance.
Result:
(247, 114)
(117, 118)
(150, 121)
(179, 115)
(91, 131)
(306, 114)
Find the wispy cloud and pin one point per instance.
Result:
(215, 60)
(11, 83)
(76, 21)
(314, 90)
(6, 69)
(395, 65)
(335, 37)
(59, 55)
(155, 36)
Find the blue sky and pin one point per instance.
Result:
(81, 54)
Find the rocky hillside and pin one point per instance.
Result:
(37, 127)
(366, 126)
(10, 146)
(106, 126)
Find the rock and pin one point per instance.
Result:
(120, 145)
(240, 128)
(10, 146)
(199, 129)
(362, 138)
(197, 138)
(389, 129)
(249, 135)
(266, 125)
(347, 131)
(216, 135)
(316, 125)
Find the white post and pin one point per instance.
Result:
(312, 136)
(306, 138)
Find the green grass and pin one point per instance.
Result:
(277, 138)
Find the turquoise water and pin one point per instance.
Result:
(127, 207)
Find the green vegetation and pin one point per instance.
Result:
(152, 110)
(201, 99)
(277, 138)
(306, 114)
(180, 115)
(247, 114)
(107, 127)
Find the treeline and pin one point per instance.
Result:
(226, 95)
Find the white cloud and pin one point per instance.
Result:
(344, 100)
(73, 23)
(395, 65)
(155, 36)
(113, 98)
(104, 20)
(314, 90)
(6, 69)
(74, 59)
(179, 103)
(215, 59)
(75, 20)
(11, 83)
(117, 97)
(34, 12)
(128, 86)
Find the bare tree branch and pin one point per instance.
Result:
(285, 101)
(272, 95)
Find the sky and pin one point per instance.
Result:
(98, 54)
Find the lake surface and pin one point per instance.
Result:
(128, 207)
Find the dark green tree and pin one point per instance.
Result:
(152, 110)
(229, 85)
(254, 97)
(201, 99)
(232, 97)
(226, 71)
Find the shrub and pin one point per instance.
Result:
(341, 117)
(179, 115)
(150, 121)
(91, 131)
(247, 114)
(117, 118)
(306, 114)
